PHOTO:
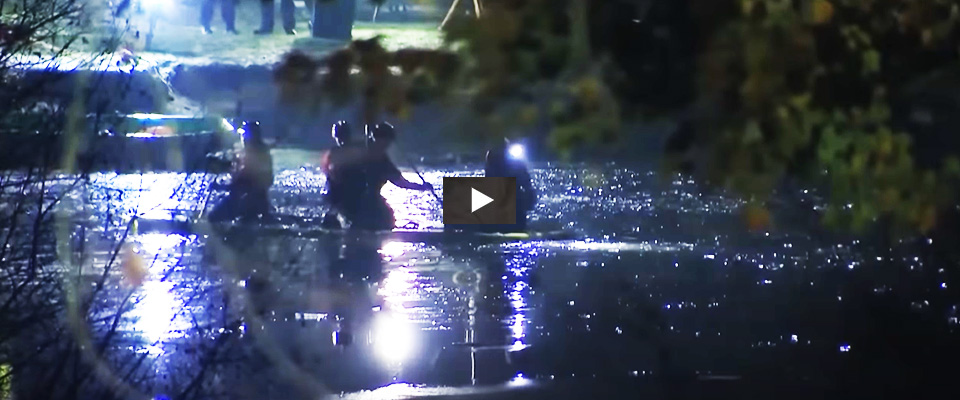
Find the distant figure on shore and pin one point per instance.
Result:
(227, 12)
(345, 181)
(251, 179)
(287, 15)
(398, 6)
(507, 160)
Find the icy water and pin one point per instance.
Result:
(666, 295)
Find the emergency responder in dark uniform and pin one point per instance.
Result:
(500, 163)
(373, 212)
(344, 170)
(252, 177)
(287, 9)
(227, 12)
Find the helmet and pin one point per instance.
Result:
(382, 132)
(341, 132)
(250, 130)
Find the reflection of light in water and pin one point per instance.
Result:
(394, 337)
(518, 320)
(394, 334)
(154, 243)
(156, 310)
(391, 250)
(399, 390)
(519, 265)
(156, 313)
(516, 297)
(418, 207)
(397, 287)
(519, 381)
(613, 247)
(153, 195)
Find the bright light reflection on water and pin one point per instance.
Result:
(394, 333)
(154, 195)
(611, 247)
(157, 309)
(398, 286)
(519, 263)
(415, 209)
(394, 337)
(519, 381)
(394, 249)
(154, 243)
(156, 314)
(417, 296)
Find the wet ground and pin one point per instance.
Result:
(666, 295)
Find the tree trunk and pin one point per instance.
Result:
(334, 19)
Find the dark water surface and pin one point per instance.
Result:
(666, 295)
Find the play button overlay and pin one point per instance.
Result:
(479, 200)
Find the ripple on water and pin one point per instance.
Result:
(664, 268)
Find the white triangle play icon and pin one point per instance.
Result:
(478, 200)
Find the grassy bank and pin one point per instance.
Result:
(189, 44)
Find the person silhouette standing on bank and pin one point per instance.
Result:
(227, 12)
(287, 15)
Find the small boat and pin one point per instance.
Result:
(131, 143)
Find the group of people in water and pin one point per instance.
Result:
(356, 171)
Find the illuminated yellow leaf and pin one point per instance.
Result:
(927, 36)
(822, 11)
(857, 163)
(783, 113)
(5, 381)
(952, 166)
(752, 133)
(800, 101)
(403, 112)
(588, 91)
(885, 144)
(927, 219)
(757, 217)
(871, 62)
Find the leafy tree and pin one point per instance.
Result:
(806, 89)
(765, 89)
(40, 136)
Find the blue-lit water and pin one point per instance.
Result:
(665, 292)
